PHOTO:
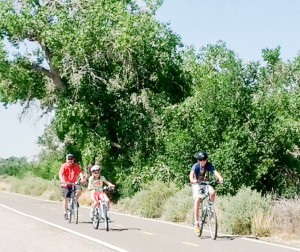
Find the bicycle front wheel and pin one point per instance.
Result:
(105, 217)
(212, 222)
(70, 209)
(96, 218)
(75, 212)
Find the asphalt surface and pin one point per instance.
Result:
(30, 224)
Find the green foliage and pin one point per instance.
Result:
(128, 96)
(239, 211)
(48, 165)
(14, 166)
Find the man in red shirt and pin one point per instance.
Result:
(68, 173)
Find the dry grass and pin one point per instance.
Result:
(261, 224)
(286, 222)
(85, 198)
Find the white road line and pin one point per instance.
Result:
(67, 230)
(191, 244)
(180, 225)
(147, 233)
(170, 223)
(274, 244)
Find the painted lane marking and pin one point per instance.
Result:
(67, 230)
(147, 233)
(164, 222)
(191, 244)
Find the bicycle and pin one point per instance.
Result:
(73, 204)
(207, 214)
(101, 211)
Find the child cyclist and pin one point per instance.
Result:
(96, 184)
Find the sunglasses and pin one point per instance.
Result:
(202, 159)
(70, 158)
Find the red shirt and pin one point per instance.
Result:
(69, 173)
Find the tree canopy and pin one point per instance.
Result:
(129, 96)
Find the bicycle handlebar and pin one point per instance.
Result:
(67, 183)
(212, 182)
(105, 188)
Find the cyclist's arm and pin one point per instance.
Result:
(61, 175)
(90, 186)
(219, 177)
(192, 177)
(81, 178)
(109, 183)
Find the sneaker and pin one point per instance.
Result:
(66, 216)
(197, 230)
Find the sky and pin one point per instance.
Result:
(246, 27)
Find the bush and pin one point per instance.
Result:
(241, 210)
(179, 206)
(34, 186)
(149, 202)
(287, 216)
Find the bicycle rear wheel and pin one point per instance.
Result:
(212, 222)
(96, 218)
(105, 217)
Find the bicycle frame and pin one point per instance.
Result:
(72, 204)
(101, 211)
(207, 214)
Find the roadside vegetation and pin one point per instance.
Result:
(129, 96)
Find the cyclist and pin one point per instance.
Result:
(200, 172)
(68, 173)
(97, 182)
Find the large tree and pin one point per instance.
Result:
(98, 64)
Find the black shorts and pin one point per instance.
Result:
(66, 191)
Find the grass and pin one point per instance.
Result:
(31, 185)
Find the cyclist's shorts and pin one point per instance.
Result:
(199, 191)
(66, 191)
(98, 195)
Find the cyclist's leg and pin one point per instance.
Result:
(196, 210)
(78, 191)
(196, 196)
(95, 198)
(65, 193)
(104, 197)
(212, 193)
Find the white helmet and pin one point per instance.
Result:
(95, 168)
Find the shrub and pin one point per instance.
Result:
(149, 202)
(33, 186)
(287, 216)
(247, 206)
(178, 206)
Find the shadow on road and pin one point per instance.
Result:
(123, 229)
(220, 238)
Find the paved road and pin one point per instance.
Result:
(29, 224)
